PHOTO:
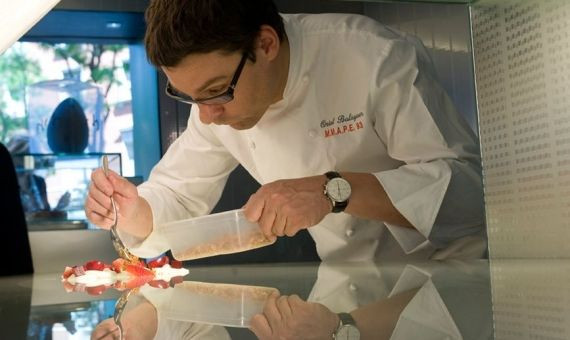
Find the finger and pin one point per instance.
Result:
(101, 182)
(92, 206)
(98, 215)
(295, 300)
(266, 222)
(284, 306)
(271, 311)
(279, 224)
(99, 220)
(260, 327)
(109, 335)
(122, 186)
(291, 229)
(104, 330)
(99, 196)
(253, 208)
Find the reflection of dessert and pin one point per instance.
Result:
(224, 245)
(95, 277)
(228, 291)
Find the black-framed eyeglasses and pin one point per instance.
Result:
(218, 99)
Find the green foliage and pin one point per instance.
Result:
(9, 125)
(89, 56)
(17, 71)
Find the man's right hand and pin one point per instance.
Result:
(98, 208)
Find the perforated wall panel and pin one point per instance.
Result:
(522, 71)
(531, 299)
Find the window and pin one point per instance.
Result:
(36, 77)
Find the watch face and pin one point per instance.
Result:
(348, 332)
(338, 189)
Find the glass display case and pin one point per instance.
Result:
(65, 116)
(53, 187)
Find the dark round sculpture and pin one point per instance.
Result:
(68, 131)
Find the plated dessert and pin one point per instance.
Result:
(94, 277)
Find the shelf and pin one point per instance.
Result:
(38, 161)
(53, 187)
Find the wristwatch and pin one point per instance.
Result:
(346, 329)
(338, 190)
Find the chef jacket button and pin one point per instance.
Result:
(312, 133)
(252, 145)
(349, 232)
(352, 287)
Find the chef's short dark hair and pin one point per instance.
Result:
(178, 28)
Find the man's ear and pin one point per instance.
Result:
(268, 42)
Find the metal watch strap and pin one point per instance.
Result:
(336, 206)
(344, 319)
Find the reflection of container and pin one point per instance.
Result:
(211, 303)
(223, 233)
(45, 96)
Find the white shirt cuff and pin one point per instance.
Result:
(416, 191)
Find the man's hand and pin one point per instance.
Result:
(286, 206)
(139, 321)
(98, 208)
(289, 317)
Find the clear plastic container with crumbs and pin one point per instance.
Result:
(216, 234)
(221, 304)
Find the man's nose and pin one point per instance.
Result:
(209, 113)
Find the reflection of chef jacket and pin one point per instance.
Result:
(453, 300)
(355, 100)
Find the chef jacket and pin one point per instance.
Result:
(360, 97)
(453, 298)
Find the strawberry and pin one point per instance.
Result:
(118, 265)
(175, 264)
(136, 281)
(68, 287)
(94, 265)
(67, 273)
(138, 271)
(159, 262)
(159, 284)
(97, 290)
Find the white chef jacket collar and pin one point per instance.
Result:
(295, 58)
(295, 67)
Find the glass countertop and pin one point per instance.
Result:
(507, 299)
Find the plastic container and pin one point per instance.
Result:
(211, 303)
(216, 234)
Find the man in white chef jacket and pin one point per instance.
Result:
(292, 98)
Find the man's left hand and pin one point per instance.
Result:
(286, 206)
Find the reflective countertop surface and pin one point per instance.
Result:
(476, 299)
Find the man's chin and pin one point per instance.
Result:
(241, 125)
